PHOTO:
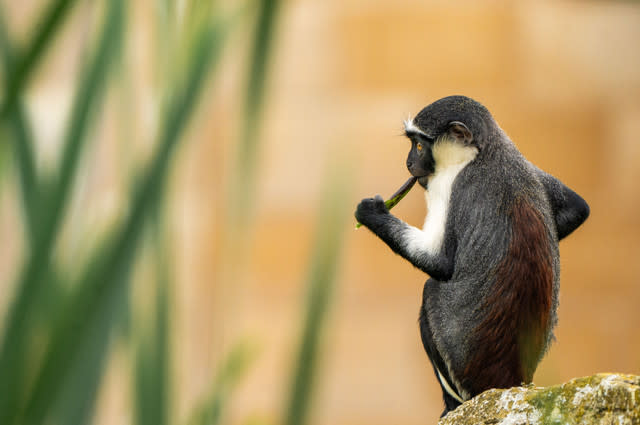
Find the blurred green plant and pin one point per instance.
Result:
(320, 286)
(60, 324)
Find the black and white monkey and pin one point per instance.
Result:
(489, 244)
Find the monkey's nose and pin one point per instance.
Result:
(409, 163)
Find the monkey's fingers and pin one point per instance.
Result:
(397, 197)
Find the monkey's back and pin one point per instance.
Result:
(492, 321)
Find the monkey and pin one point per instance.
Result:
(489, 244)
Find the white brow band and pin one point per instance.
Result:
(410, 127)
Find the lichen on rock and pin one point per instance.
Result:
(599, 399)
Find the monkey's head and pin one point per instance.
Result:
(455, 119)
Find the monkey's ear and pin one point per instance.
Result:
(460, 132)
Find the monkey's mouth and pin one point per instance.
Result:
(424, 181)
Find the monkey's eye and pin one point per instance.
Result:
(419, 146)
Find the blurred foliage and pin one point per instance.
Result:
(60, 324)
(320, 284)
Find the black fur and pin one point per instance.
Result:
(491, 196)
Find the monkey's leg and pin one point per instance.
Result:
(449, 394)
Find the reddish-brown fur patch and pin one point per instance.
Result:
(508, 343)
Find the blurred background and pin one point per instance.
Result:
(189, 244)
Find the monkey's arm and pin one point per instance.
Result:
(569, 209)
(405, 240)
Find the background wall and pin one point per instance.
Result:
(562, 78)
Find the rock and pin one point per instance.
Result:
(599, 399)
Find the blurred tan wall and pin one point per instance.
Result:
(561, 77)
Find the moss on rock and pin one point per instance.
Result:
(599, 399)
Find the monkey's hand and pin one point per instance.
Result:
(370, 210)
(406, 241)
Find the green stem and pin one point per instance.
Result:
(397, 197)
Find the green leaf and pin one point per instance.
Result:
(105, 281)
(320, 283)
(107, 277)
(90, 335)
(22, 142)
(29, 292)
(248, 149)
(43, 34)
(260, 55)
(152, 348)
(211, 409)
(66, 384)
(204, 54)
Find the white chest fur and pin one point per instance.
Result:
(450, 158)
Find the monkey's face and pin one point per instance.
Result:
(420, 162)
